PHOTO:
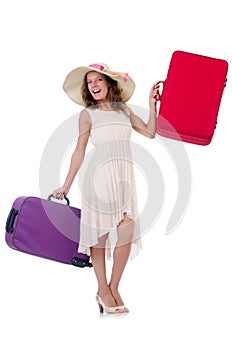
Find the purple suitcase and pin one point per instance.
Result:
(46, 229)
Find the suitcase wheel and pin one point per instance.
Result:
(81, 262)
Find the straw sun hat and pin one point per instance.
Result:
(73, 82)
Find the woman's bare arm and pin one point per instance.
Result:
(149, 129)
(77, 156)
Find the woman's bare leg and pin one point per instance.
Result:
(121, 255)
(98, 260)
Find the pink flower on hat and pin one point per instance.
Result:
(98, 66)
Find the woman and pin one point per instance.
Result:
(109, 193)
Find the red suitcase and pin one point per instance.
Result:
(191, 97)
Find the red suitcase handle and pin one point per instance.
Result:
(160, 95)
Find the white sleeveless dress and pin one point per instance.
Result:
(108, 187)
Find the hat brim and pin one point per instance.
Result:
(74, 80)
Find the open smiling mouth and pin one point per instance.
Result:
(96, 91)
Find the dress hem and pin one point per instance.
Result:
(85, 249)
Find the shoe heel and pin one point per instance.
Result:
(101, 308)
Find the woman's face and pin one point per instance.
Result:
(98, 86)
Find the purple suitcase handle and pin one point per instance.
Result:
(66, 198)
(10, 220)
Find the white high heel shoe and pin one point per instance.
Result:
(110, 310)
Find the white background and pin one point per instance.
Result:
(179, 289)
